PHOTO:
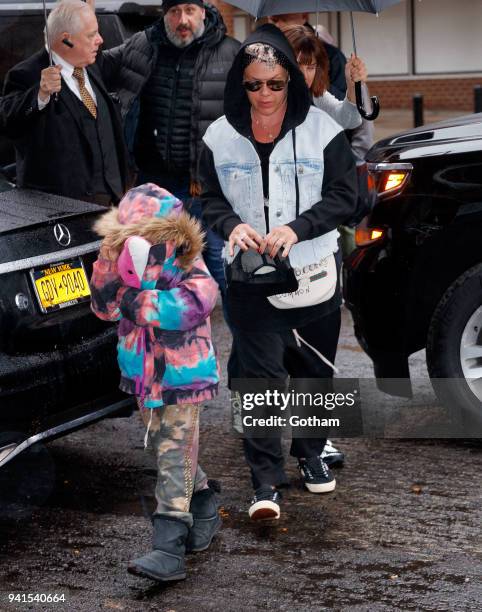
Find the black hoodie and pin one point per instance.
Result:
(339, 190)
(236, 103)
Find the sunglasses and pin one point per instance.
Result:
(273, 84)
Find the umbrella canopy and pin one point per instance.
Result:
(263, 8)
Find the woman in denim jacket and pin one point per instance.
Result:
(249, 197)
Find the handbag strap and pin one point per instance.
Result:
(297, 187)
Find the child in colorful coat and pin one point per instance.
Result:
(150, 277)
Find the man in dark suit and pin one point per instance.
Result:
(65, 127)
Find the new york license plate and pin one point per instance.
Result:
(61, 285)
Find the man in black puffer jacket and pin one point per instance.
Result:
(170, 81)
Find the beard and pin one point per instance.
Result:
(177, 41)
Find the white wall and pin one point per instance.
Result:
(448, 36)
(326, 19)
(382, 41)
(241, 26)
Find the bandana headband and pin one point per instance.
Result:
(265, 54)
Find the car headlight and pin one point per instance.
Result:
(388, 179)
(365, 235)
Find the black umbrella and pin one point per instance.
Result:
(263, 8)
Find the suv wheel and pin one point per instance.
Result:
(454, 349)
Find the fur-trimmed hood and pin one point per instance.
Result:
(153, 213)
(183, 231)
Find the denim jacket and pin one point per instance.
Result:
(239, 172)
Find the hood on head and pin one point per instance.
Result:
(155, 214)
(148, 200)
(236, 103)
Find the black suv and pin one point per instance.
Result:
(415, 280)
(58, 369)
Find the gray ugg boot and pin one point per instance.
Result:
(166, 561)
(207, 522)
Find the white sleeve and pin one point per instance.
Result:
(42, 103)
(343, 112)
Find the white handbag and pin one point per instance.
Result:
(316, 282)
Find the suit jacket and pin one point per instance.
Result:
(53, 152)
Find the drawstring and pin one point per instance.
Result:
(148, 427)
(297, 185)
(300, 340)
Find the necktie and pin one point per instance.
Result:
(87, 99)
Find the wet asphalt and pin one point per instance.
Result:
(402, 530)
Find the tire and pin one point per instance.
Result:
(454, 351)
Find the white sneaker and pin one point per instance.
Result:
(332, 456)
(316, 475)
(265, 504)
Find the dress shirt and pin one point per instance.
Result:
(72, 83)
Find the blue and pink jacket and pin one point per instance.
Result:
(165, 352)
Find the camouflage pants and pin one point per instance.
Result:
(173, 433)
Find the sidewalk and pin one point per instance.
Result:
(392, 121)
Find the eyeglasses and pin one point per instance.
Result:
(273, 84)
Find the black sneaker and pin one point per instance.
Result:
(265, 504)
(316, 475)
(332, 456)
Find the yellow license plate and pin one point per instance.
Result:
(61, 285)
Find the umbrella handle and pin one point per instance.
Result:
(359, 103)
(47, 40)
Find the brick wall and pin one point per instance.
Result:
(442, 93)
(227, 11)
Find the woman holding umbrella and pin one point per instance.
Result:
(313, 62)
(278, 178)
